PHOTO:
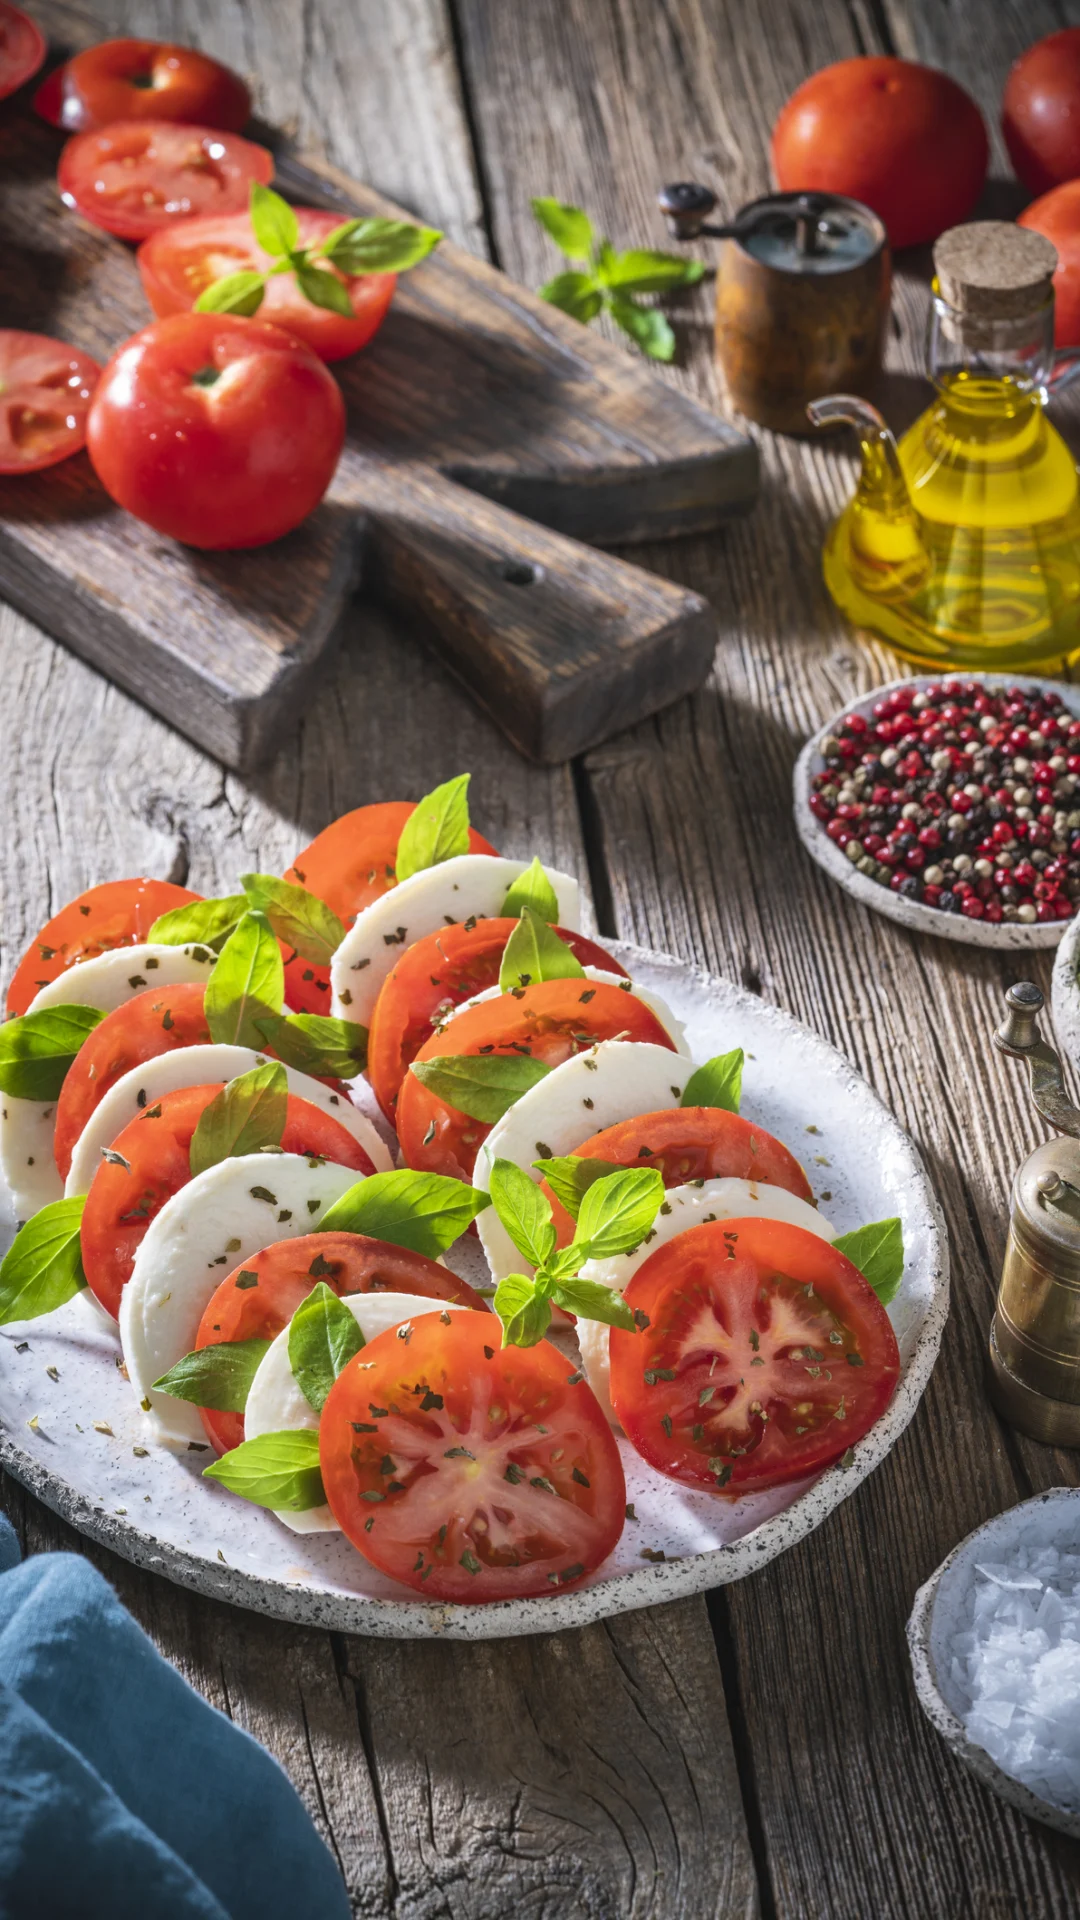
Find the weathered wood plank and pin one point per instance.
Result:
(860, 1808)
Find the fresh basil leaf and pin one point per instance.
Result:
(523, 1211)
(425, 1212)
(717, 1084)
(277, 1470)
(642, 270)
(273, 221)
(574, 293)
(323, 1336)
(234, 293)
(617, 1212)
(379, 246)
(218, 1376)
(36, 1050)
(324, 289)
(316, 1043)
(247, 983)
(204, 923)
(437, 829)
(247, 1115)
(43, 1266)
(525, 1313)
(299, 918)
(647, 327)
(569, 227)
(482, 1085)
(878, 1252)
(534, 953)
(592, 1301)
(570, 1178)
(533, 890)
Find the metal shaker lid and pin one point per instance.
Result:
(1046, 1196)
(809, 233)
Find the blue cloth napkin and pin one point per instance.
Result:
(123, 1795)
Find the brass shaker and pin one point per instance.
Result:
(1035, 1332)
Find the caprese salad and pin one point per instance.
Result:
(181, 1131)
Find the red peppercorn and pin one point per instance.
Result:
(1064, 908)
(972, 908)
(932, 895)
(993, 911)
(930, 837)
(1024, 874)
(915, 858)
(1045, 912)
(1039, 833)
(1001, 833)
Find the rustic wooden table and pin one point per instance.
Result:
(760, 1752)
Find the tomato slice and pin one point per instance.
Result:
(349, 864)
(143, 80)
(158, 1021)
(178, 265)
(690, 1143)
(432, 977)
(137, 177)
(45, 392)
(256, 1309)
(118, 914)
(469, 1471)
(553, 1021)
(124, 1198)
(766, 1357)
(22, 49)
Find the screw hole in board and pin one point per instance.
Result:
(518, 573)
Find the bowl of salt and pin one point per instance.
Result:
(995, 1650)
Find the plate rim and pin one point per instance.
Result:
(914, 914)
(1065, 993)
(651, 1585)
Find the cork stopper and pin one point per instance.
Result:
(992, 271)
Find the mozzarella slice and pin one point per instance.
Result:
(472, 885)
(651, 1000)
(615, 1081)
(219, 1219)
(195, 1067)
(727, 1199)
(275, 1402)
(27, 1127)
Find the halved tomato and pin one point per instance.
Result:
(136, 177)
(261, 1296)
(115, 915)
(432, 977)
(179, 265)
(158, 1021)
(149, 1162)
(766, 1356)
(22, 49)
(143, 80)
(690, 1143)
(45, 392)
(554, 1020)
(469, 1471)
(349, 864)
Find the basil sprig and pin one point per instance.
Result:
(37, 1049)
(43, 1266)
(437, 829)
(716, 1084)
(533, 890)
(616, 1213)
(247, 984)
(278, 1470)
(484, 1086)
(425, 1212)
(355, 247)
(315, 1043)
(202, 923)
(601, 280)
(248, 1115)
(218, 1376)
(534, 953)
(323, 1337)
(570, 1178)
(878, 1252)
(299, 918)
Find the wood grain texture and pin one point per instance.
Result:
(855, 1805)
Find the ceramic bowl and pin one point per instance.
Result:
(943, 1607)
(913, 913)
(1065, 993)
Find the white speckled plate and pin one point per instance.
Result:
(913, 913)
(943, 1607)
(160, 1514)
(1065, 993)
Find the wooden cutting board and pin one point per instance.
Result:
(489, 437)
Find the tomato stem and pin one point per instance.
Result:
(206, 377)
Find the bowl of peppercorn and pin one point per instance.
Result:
(952, 806)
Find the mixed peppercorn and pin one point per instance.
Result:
(964, 797)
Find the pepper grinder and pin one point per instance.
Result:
(1035, 1332)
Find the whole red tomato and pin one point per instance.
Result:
(220, 431)
(143, 80)
(1057, 217)
(904, 139)
(1040, 111)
